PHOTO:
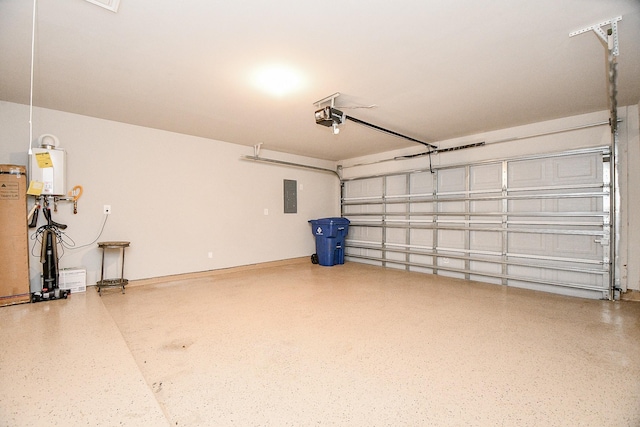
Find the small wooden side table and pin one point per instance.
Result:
(107, 283)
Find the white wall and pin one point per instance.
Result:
(632, 200)
(629, 156)
(174, 197)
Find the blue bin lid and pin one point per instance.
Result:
(334, 220)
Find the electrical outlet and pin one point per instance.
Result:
(107, 209)
(210, 254)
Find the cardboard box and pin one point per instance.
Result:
(74, 279)
(14, 247)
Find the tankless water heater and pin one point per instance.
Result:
(48, 165)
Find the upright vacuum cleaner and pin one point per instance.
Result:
(50, 234)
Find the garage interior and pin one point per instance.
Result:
(491, 263)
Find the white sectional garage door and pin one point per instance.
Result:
(540, 222)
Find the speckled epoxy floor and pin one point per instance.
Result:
(65, 363)
(301, 345)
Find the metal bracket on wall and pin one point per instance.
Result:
(597, 28)
(610, 40)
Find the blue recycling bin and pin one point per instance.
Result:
(330, 235)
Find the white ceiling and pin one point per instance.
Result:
(434, 69)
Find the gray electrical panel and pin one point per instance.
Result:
(290, 196)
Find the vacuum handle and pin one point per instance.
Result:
(34, 217)
(50, 222)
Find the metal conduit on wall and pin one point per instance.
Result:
(289, 164)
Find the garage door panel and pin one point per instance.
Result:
(451, 239)
(367, 234)
(560, 246)
(543, 231)
(486, 267)
(419, 269)
(534, 275)
(421, 237)
(485, 240)
(365, 188)
(595, 280)
(374, 209)
(421, 183)
(422, 260)
(397, 208)
(578, 169)
(485, 205)
(421, 207)
(526, 205)
(451, 207)
(362, 209)
(452, 263)
(395, 256)
(485, 177)
(576, 246)
(525, 243)
(396, 235)
(541, 287)
(582, 204)
(528, 272)
(452, 180)
(351, 210)
(396, 185)
(531, 173)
